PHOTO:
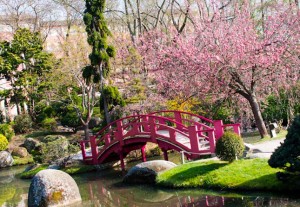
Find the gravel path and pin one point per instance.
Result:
(263, 150)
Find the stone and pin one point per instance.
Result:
(157, 165)
(6, 160)
(53, 188)
(32, 144)
(20, 152)
(138, 175)
(146, 172)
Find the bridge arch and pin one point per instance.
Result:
(170, 130)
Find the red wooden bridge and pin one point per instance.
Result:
(170, 130)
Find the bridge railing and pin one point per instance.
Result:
(195, 128)
(184, 117)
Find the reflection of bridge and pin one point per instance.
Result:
(170, 130)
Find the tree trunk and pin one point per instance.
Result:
(105, 106)
(257, 115)
(86, 132)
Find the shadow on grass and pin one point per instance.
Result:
(196, 171)
(271, 183)
(38, 134)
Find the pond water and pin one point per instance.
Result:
(104, 188)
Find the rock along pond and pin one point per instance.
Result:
(105, 188)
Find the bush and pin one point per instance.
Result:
(49, 124)
(54, 148)
(7, 131)
(286, 156)
(22, 123)
(229, 147)
(3, 142)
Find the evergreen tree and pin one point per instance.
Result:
(286, 156)
(24, 64)
(98, 33)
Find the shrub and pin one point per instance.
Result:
(54, 149)
(22, 123)
(3, 142)
(49, 124)
(7, 131)
(286, 156)
(229, 147)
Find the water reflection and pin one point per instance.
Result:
(106, 189)
(101, 191)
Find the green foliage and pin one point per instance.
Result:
(70, 118)
(7, 131)
(79, 169)
(286, 156)
(275, 108)
(53, 148)
(3, 142)
(49, 124)
(97, 37)
(31, 173)
(113, 97)
(22, 123)
(279, 107)
(23, 160)
(26, 50)
(229, 147)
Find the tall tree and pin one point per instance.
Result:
(227, 55)
(98, 33)
(24, 65)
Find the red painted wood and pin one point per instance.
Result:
(119, 139)
(143, 151)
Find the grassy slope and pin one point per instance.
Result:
(254, 174)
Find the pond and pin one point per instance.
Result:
(104, 188)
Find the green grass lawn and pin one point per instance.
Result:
(252, 174)
(254, 137)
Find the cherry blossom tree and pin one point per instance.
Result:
(228, 53)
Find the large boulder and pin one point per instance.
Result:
(6, 160)
(20, 152)
(53, 188)
(146, 172)
(32, 144)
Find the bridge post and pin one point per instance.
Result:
(107, 139)
(122, 159)
(119, 133)
(178, 118)
(219, 130)
(82, 145)
(152, 129)
(145, 125)
(165, 154)
(94, 149)
(143, 151)
(193, 139)
(212, 141)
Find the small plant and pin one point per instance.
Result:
(22, 123)
(7, 131)
(229, 147)
(3, 142)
